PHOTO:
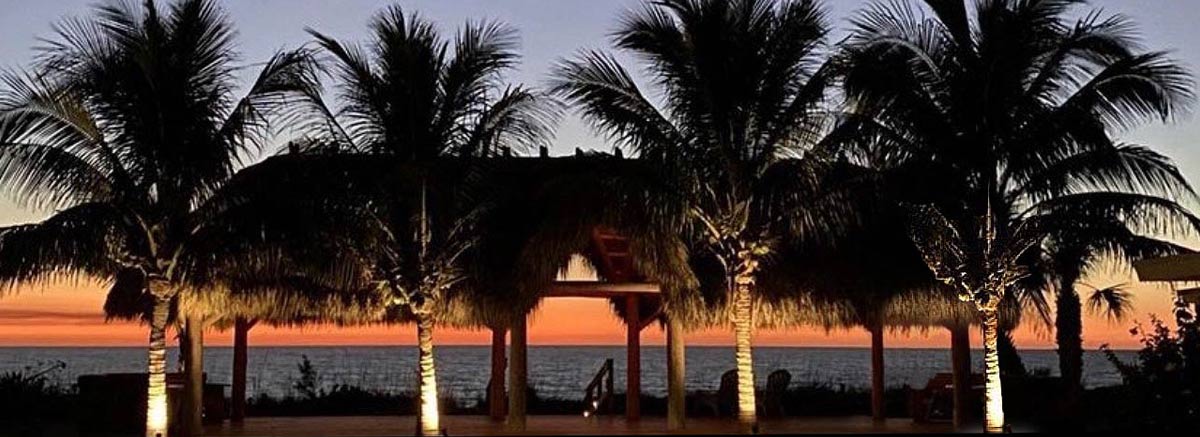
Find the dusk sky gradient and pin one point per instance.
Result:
(69, 312)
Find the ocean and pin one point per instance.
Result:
(555, 371)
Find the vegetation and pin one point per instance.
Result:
(993, 131)
(1000, 120)
(414, 106)
(742, 87)
(126, 127)
(1161, 391)
(30, 400)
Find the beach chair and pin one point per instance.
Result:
(727, 394)
(771, 404)
(935, 402)
(724, 400)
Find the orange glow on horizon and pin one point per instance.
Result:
(69, 314)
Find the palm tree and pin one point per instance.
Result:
(1073, 251)
(125, 127)
(416, 99)
(1001, 117)
(981, 269)
(741, 82)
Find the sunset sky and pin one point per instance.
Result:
(69, 312)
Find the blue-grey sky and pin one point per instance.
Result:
(550, 30)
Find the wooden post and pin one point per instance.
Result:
(496, 392)
(193, 419)
(237, 388)
(878, 415)
(517, 375)
(676, 381)
(633, 359)
(960, 364)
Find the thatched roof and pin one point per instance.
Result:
(550, 208)
(871, 274)
(542, 212)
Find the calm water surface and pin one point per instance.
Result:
(557, 371)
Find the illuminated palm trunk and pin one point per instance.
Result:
(676, 381)
(993, 412)
(743, 353)
(427, 418)
(194, 385)
(156, 387)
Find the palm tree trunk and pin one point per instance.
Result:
(676, 382)
(743, 352)
(427, 418)
(156, 387)
(237, 390)
(960, 365)
(496, 396)
(877, 410)
(1068, 329)
(1011, 363)
(194, 384)
(993, 397)
(517, 377)
(184, 346)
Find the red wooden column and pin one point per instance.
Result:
(633, 359)
(877, 382)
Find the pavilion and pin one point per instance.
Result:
(611, 259)
(1184, 268)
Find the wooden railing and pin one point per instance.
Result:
(598, 397)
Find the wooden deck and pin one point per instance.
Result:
(554, 425)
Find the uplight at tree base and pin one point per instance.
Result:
(156, 413)
(429, 425)
(156, 384)
(993, 411)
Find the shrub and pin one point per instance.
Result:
(1161, 389)
(29, 399)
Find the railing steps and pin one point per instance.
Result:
(598, 396)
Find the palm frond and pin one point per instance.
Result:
(1114, 302)
(83, 240)
(519, 120)
(287, 92)
(607, 97)
(52, 151)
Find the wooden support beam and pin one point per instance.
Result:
(633, 359)
(960, 364)
(600, 289)
(598, 239)
(237, 389)
(676, 382)
(193, 387)
(517, 376)
(877, 385)
(496, 384)
(648, 320)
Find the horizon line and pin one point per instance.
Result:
(616, 345)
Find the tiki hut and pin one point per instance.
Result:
(873, 277)
(551, 210)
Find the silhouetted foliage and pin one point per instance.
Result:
(1162, 388)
